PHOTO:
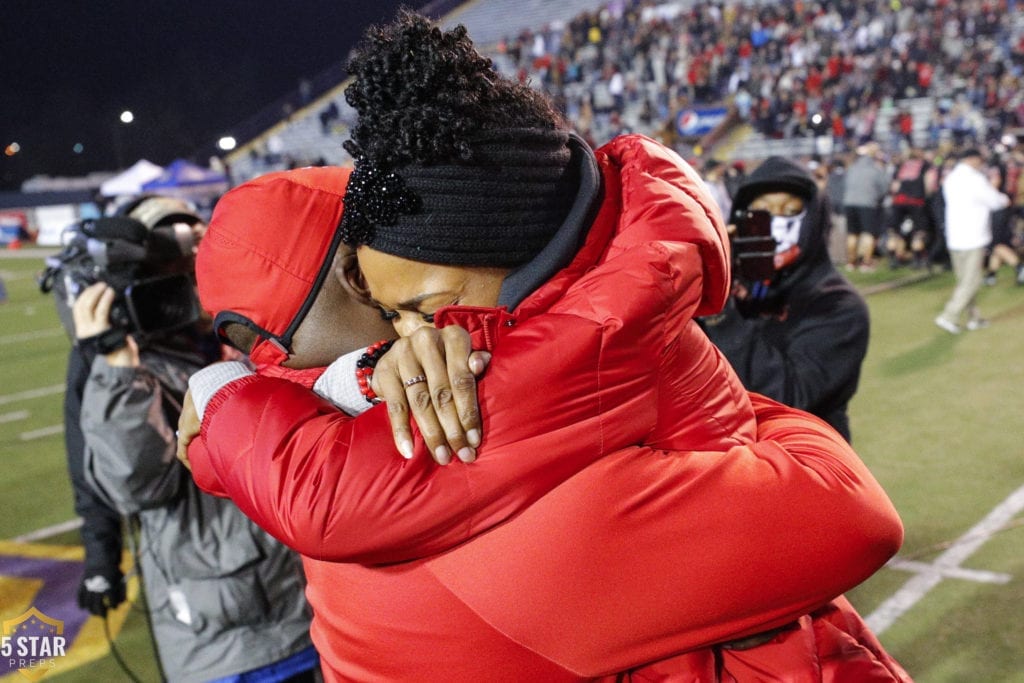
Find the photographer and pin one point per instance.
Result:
(102, 584)
(794, 329)
(224, 597)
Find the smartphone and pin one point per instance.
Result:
(753, 245)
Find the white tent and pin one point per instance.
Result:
(131, 181)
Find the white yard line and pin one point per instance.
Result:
(21, 309)
(13, 416)
(50, 531)
(32, 252)
(32, 393)
(14, 276)
(41, 433)
(30, 336)
(976, 575)
(945, 564)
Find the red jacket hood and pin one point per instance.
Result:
(650, 195)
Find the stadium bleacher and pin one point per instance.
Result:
(301, 139)
(712, 34)
(491, 20)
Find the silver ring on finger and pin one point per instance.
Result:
(415, 380)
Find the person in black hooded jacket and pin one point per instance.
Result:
(798, 336)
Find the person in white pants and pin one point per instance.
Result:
(971, 196)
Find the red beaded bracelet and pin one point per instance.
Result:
(365, 365)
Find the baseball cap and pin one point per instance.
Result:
(156, 210)
(171, 223)
(268, 248)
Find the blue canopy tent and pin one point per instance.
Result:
(188, 181)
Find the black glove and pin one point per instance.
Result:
(101, 591)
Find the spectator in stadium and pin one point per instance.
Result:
(225, 599)
(548, 181)
(914, 181)
(734, 175)
(714, 180)
(835, 187)
(971, 195)
(328, 115)
(1005, 248)
(904, 127)
(867, 185)
(802, 337)
(935, 204)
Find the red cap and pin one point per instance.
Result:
(269, 246)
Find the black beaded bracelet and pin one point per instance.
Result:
(365, 365)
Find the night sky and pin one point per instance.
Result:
(188, 70)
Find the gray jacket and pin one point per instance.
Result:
(867, 183)
(224, 596)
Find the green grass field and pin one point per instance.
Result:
(938, 418)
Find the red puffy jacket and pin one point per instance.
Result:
(582, 555)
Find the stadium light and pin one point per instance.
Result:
(227, 143)
(12, 149)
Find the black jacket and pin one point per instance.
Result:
(810, 356)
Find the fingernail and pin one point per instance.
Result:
(467, 454)
(405, 448)
(473, 437)
(479, 361)
(442, 455)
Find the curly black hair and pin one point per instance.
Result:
(422, 93)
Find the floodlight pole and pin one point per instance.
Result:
(125, 119)
(118, 153)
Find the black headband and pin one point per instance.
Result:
(499, 207)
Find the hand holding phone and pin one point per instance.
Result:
(754, 247)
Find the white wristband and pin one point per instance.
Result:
(211, 379)
(339, 385)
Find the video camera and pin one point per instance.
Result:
(133, 260)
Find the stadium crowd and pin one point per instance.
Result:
(789, 69)
(843, 70)
(908, 80)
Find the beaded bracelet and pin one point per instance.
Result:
(365, 365)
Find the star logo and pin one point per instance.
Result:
(31, 642)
